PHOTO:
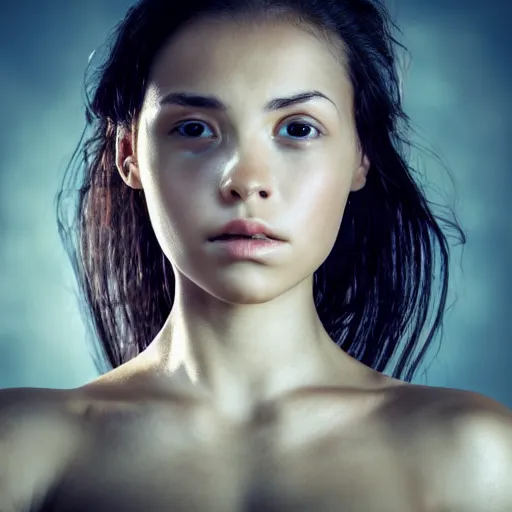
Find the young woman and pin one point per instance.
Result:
(253, 248)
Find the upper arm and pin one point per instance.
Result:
(478, 474)
(35, 443)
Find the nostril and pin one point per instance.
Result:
(263, 194)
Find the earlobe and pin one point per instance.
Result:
(125, 160)
(360, 175)
(366, 165)
(130, 173)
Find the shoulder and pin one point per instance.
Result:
(23, 409)
(467, 444)
(37, 436)
(483, 458)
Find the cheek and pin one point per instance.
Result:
(175, 203)
(179, 203)
(320, 203)
(170, 195)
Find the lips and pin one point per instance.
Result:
(259, 236)
(245, 229)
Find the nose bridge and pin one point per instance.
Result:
(249, 172)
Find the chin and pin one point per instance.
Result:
(247, 283)
(245, 292)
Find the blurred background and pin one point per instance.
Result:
(457, 93)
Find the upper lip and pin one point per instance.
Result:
(245, 227)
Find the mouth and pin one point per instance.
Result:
(245, 229)
(228, 236)
(239, 247)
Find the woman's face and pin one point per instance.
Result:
(203, 167)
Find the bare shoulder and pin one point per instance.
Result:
(32, 409)
(37, 438)
(464, 442)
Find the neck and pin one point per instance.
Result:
(240, 355)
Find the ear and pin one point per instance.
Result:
(126, 162)
(359, 180)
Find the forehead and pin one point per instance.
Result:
(248, 59)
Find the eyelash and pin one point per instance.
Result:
(175, 131)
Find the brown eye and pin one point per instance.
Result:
(300, 130)
(191, 128)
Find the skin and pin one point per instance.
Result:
(242, 401)
(244, 332)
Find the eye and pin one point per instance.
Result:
(192, 127)
(297, 129)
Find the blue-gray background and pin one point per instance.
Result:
(456, 92)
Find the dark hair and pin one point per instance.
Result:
(375, 288)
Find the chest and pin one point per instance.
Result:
(196, 467)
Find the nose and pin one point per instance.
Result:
(243, 183)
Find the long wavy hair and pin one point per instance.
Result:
(374, 291)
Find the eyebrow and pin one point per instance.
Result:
(186, 99)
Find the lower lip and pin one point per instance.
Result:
(246, 248)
